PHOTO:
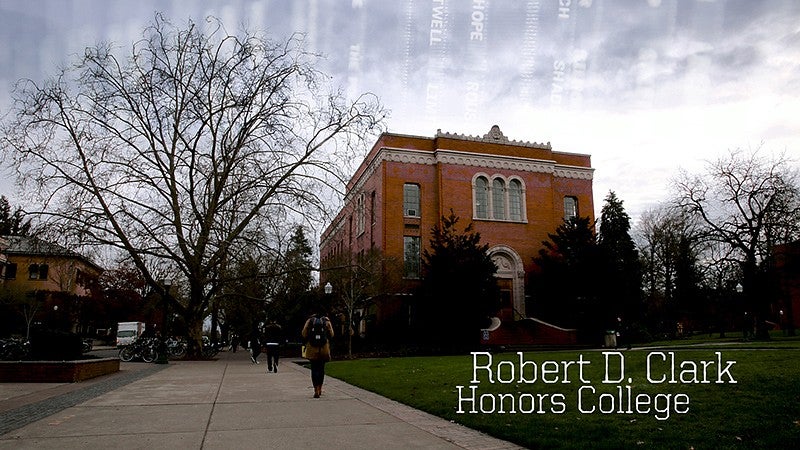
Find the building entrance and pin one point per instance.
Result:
(511, 282)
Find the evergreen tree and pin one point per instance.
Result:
(689, 302)
(298, 263)
(292, 295)
(12, 223)
(621, 287)
(565, 286)
(459, 291)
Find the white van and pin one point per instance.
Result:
(127, 332)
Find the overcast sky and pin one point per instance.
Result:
(644, 86)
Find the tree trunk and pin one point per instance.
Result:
(194, 339)
(214, 323)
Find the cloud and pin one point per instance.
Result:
(643, 86)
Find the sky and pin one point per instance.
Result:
(646, 87)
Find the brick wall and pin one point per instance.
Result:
(56, 372)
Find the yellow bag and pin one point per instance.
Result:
(303, 351)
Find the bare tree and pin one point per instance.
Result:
(178, 151)
(749, 204)
(25, 303)
(678, 264)
(357, 280)
(660, 233)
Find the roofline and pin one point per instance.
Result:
(66, 253)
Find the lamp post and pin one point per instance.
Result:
(746, 316)
(55, 322)
(165, 326)
(328, 289)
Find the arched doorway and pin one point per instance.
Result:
(511, 281)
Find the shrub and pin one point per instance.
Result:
(55, 345)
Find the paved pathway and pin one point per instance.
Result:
(228, 403)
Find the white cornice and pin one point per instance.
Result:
(481, 160)
(495, 161)
(407, 156)
(581, 173)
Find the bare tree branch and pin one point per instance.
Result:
(178, 151)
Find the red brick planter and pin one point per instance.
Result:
(56, 371)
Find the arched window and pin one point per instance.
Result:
(481, 198)
(498, 199)
(570, 208)
(515, 200)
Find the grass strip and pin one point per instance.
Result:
(560, 400)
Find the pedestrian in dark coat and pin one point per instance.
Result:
(273, 338)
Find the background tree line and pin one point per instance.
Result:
(701, 261)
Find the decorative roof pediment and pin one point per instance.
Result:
(495, 136)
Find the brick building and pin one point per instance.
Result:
(514, 192)
(787, 266)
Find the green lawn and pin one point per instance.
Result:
(760, 410)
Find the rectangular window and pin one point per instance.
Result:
(372, 209)
(37, 271)
(360, 214)
(411, 256)
(411, 200)
(570, 208)
(11, 271)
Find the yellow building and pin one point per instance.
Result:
(32, 264)
(45, 283)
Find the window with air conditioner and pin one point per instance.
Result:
(411, 200)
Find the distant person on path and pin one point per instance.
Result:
(255, 345)
(234, 342)
(273, 337)
(622, 334)
(317, 333)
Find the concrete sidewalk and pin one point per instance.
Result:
(232, 403)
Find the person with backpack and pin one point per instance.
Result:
(317, 333)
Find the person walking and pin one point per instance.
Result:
(317, 333)
(255, 345)
(234, 342)
(273, 337)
